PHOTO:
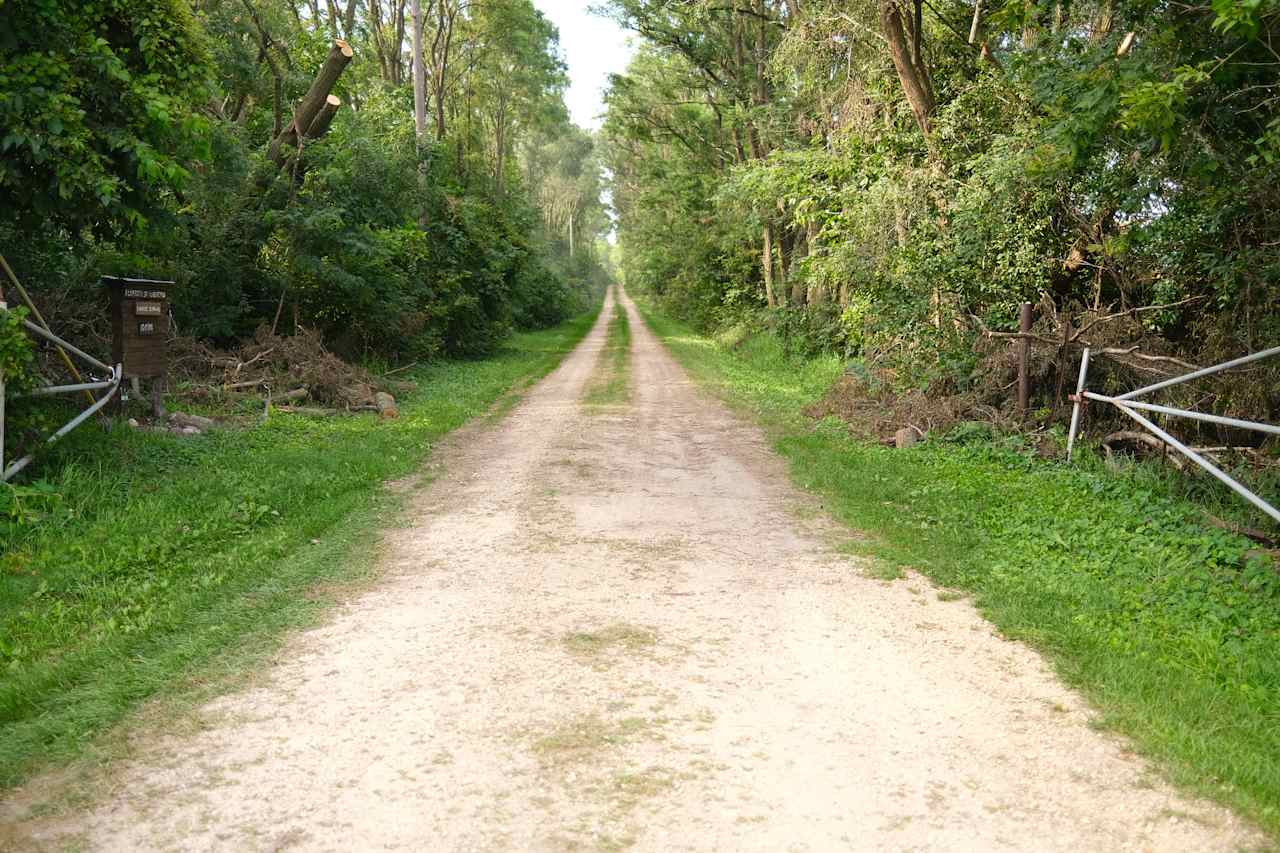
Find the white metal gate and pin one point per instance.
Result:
(110, 385)
(1131, 406)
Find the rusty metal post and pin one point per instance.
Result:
(1024, 352)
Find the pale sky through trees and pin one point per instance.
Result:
(594, 47)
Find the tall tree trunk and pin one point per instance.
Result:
(500, 147)
(349, 20)
(419, 77)
(440, 48)
(397, 45)
(333, 19)
(379, 39)
(419, 109)
(914, 80)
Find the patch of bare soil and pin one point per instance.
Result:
(615, 631)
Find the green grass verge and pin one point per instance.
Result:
(1162, 623)
(611, 382)
(147, 564)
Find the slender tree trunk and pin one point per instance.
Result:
(397, 44)
(766, 262)
(419, 109)
(333, 19)
(379, 39)
(349, 20)
(419, 77)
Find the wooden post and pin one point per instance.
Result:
(1024, 351)
(157, 397)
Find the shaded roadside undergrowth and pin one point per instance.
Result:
(153, 564)
(1165, 625)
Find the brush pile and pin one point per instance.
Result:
(277, 368)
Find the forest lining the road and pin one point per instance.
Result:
(834, 215)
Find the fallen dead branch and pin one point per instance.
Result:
(1143, 439)
(310, 411)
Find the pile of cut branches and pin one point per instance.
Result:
(279, 368)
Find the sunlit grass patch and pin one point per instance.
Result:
(619, 636)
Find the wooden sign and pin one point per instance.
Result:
(134, 293)
(139, 325)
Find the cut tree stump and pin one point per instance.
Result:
(386, 405)
(310, 120)
(320, 124)
(295, 394)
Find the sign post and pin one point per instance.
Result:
(140, 331)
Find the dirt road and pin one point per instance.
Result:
(620, 626)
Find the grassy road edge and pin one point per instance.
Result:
(1198, 703)
(78, 702)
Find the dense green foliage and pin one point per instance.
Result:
(1168, 627)
(147, 558)
(773, 158)
(138, 141)
(95, 106)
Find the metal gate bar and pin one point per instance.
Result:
(50, 336)
(1127, 404)
(111, 386)
(1204, 371)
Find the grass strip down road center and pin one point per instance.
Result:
(1169, 627)
(610, 383)
(159, 565)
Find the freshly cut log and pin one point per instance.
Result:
(320, 124)
(386, 405)
(182, 419)
(314, 102)
(295, 394)
(308, 411)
